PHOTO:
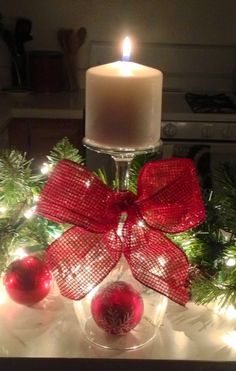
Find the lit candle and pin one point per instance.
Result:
(123, 104)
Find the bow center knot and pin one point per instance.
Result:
(123, 201)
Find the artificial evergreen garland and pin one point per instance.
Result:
(20, 231)
(210, 247)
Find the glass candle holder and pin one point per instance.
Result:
(110, 335)
(121, 313)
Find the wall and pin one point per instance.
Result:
(208, 22)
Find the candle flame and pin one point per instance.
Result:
(126, 49)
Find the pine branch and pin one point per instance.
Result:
(205, 291)
(64, 150)
(198, 250)
(226, 197)
(18, 186)
(136, 166)
(101, 174)
(15, 177)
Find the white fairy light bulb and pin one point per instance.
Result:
(35, 198)
(228, 312)
(230, 339)
(141, 223)
(3, 209)
(45, 168)
(3, 293)
(29, 213)
(20, 253)
(230, 262)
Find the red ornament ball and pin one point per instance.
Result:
(27, 280)
(117, 308)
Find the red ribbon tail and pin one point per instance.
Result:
(80, 260)
(156, 262)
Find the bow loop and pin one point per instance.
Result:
(80, 260)
(74, 195)
(169, 196)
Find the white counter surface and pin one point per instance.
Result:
(42, 105)
(51, 329)
(68, 105)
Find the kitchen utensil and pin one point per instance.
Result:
(9, 40)
(22, 34)
(70, 42)
(46, 71)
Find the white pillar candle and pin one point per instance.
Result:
(123, 106)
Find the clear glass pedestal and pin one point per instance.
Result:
(153, 314)
(154, 304)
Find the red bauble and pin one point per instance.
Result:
(27, 280)
(117, 308)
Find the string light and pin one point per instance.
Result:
(3, 293)
(227, 312)
(141, 223)
(230, 339)
(3, 209)
(230, 262)
(45, 168)
(35, 198)
(88, 183)
(20, 253)
(29, 213)
(162, 260)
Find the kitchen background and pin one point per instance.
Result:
(192, 41)
(169, 22)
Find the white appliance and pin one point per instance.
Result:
(207, 136)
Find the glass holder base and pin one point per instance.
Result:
(143, 333)
(154, 303)
(121, 152)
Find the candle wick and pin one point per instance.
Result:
(125, 58)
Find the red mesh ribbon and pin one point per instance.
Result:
(168, 200)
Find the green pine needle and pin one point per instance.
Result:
(15, 177)
(64, 150)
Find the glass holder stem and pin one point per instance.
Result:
(154, 303)
(122, 171)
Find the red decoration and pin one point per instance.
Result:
(27, 280)
(117, 308)
(168, 200)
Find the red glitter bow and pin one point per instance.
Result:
(168, 201)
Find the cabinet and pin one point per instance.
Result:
(37, 136)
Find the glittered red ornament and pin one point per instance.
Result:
(27, 280)
(117, 308)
